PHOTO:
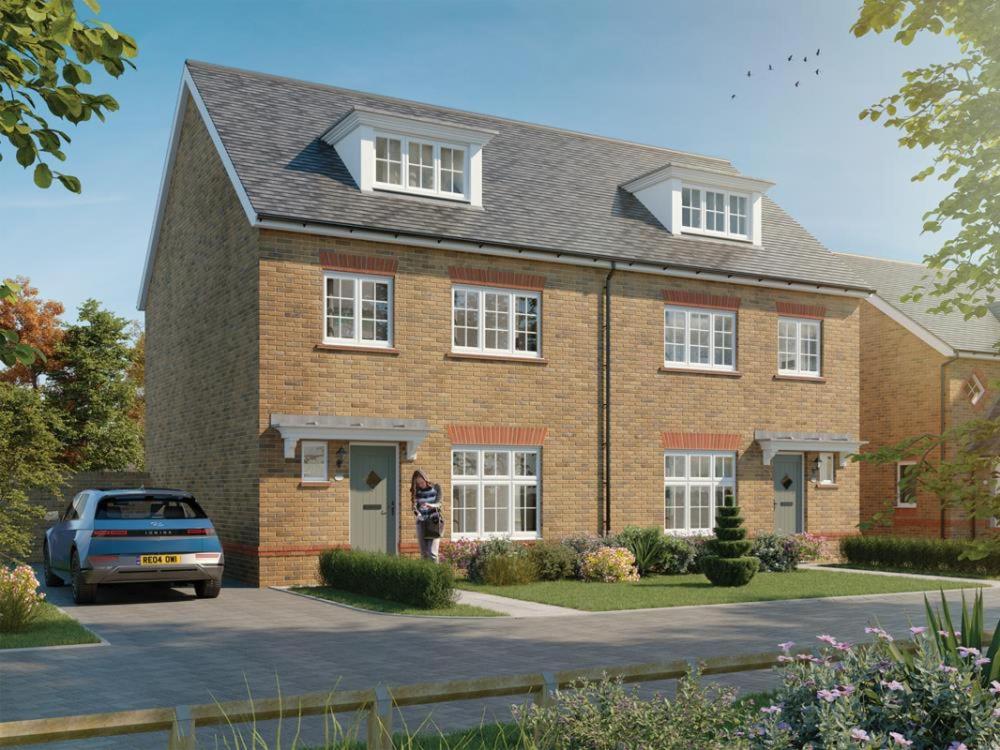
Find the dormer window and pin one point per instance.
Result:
(725, 214)
(695, 200)
(388, 152)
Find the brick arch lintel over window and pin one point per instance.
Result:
(685, 298)
(700, 441)
(798, 310)
(377, 265)
(496, 435)
(496, 278)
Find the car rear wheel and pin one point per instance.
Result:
(83, 593)
(207, 589)
(51, 579)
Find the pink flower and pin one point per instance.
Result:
(771, 710)
(860, 735)
(879, 632)
(845, 689)
(827, 639)
(894, 685)
(842, 646)
(786, 646)
(918, 630)
(966, 650)
(956, 745)
(981, 661)
(945, 633)
(947, 669)
(782, 659)
(828, 695)
(900, 739)
(995, 687)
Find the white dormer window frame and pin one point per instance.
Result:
(705, 209)
(667, 193)
(413, 173)
(356, 137)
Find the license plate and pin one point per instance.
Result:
(159, 559)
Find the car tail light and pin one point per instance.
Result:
(201, 532)
(110, 532)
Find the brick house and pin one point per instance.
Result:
(570, 333)
(944, 365)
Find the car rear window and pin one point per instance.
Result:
(138, 508)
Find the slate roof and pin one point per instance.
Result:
(894, 278)
(543, 188)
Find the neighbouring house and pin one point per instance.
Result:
(570, 333)
(921, 373)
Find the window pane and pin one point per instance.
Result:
(496, 508)
(809, 332)
(466, 318)
(374, 310)
(724, 343)
(674, 507)
(388, 161)
(496, 320)
(827, 471)
(715, 211)
(526, 508)
(905, 490)
(787, 345)
(525, 323)
(701, 466)
(673, 466)
(452, 170)
(691, 208)
(464, 509)
(724, 467)
(525, 464)
(496, 464)
(737, 215)
(339, 308)
(674, 336)
(465, 463)
(724, 495)
(701, 507)
(421, 172)
(314, 462)
(700, 337)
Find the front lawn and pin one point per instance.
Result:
(384, 605)
(52, 628)
(681, 590)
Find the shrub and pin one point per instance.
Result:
(779, 553)
(607, 716)
(20, 599)
(552, 560)
(459, 553)
(649, 547)
(680, 554)
(610, 565)
(401, 579)
(488, 549)
(880, 695)
(728, 562)
(582, 544)
(508, 570)
(927, 555)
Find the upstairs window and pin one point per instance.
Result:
(906, 490)
(496, 321)
(725, 214)
(358, 310)
(798, 347)
(701, 339)
(420, 166)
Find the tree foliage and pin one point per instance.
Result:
(13, 351)
(95, 394)
(37, 324)
(29, 459)
(45, 52)
(953, 109)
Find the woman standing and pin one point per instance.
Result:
(426, 501)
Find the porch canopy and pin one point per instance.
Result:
(771, 443)
(295, 427)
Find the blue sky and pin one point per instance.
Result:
(653, 72)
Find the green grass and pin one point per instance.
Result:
(383, 605)
(676, 591)
(52, 628)
(501, 736)
(917, 571)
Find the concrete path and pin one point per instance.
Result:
(168, 648)
(985, 582)
(514, 607)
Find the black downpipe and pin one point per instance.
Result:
(607, 399)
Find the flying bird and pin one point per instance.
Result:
(733, 96)
(817, 71)
(796, 84)
(790, 58)
(805, 59)
(770, 67)
(817, 53)
(748, 74)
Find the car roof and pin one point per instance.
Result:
(139, 491)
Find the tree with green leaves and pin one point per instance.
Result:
(29, 459)
(953, 110)
(95, 394)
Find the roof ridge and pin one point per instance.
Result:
(455, 110)
(885, 260)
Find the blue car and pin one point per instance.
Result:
(133, 536)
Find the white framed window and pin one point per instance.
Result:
(496, 321)
(315, 461)
(974, 389)
(702, 339)
(695, 484)
(906, 494)
(799, 346)
(725, 214)
(419, 165)
(826, 469)
(358, 309)
(496, 491)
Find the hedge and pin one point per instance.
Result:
(917, 555)
(420, 583)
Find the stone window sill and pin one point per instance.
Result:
(697, 371)
(825, 486)
(497, 358)
(390, 351)
(800, 378)
(314, 485)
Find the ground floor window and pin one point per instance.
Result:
(695, 484)
(495, 492)
(906, 488)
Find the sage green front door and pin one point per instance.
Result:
(373, 498)
(788, 493)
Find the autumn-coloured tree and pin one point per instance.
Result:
(137, 376)
(36, 323)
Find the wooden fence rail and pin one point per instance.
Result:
(379, 702)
